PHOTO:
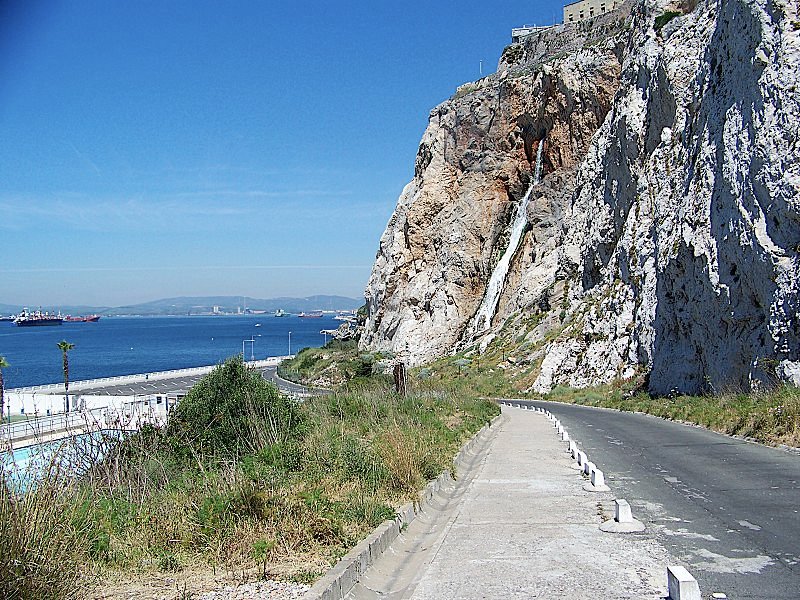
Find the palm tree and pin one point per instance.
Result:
(65, 347)
(3, 365)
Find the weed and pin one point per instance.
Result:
(665, 18)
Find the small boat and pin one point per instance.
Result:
(281, 313)
(258, 324)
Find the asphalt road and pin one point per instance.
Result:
(181, 385)
(726, 508)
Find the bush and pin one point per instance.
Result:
(230, 412)
(665, 18)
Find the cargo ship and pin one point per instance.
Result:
(86, 319)
(37, 318)
(311, 315)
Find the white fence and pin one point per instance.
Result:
(121, 413)
(76, 386)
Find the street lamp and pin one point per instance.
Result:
(290, 343)
(252, 342)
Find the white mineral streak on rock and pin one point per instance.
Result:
(666, 226)
(486, 311)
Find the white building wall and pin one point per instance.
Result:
(586, 9)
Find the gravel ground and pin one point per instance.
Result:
(258, 590)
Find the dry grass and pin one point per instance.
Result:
(285, 505)
(770, 417)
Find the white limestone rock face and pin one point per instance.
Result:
(666, 232)
(687, 217)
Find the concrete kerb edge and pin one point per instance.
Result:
(340, 578)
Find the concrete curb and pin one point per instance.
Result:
(340, 579)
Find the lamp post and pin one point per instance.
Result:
(252, 342)
(290, 343)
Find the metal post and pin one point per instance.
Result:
(290, 343)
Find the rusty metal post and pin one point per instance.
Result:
(400, 378)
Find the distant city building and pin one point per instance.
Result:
(215, 310)
(586, 9)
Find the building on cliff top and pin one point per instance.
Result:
(586, 9)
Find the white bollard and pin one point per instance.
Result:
(581, 458)
(623, 521)
(587, 467)
(597, 481)
(622, 511)
(597, 478)
(571, 448)
(564, 436)
(681, 584)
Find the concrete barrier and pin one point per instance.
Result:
(597, 482)
(587, 467)
(622, 512)
(623, 521)
(681, 585)
(580, 458)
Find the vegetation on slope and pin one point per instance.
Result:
(332, 365)
(770, 417)
(241, 478)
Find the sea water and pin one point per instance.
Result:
(129, 345)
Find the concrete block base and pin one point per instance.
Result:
(596, 488)
(612, 526)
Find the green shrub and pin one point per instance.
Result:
(230, 412)
(665, 18)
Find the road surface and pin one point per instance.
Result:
(181, 385)
(726, 507)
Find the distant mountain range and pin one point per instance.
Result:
(194, 305)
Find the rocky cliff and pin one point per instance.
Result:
(663, 237)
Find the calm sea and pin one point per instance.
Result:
(128, 345)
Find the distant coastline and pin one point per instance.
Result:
(204, 306)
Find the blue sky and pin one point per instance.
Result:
(155, 149)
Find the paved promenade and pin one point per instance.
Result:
(518, 525)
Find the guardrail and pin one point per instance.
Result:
(76, 386)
